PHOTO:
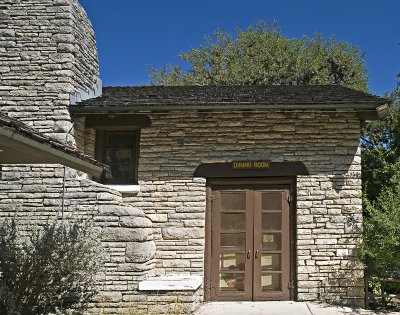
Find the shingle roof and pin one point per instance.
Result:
(243, 97)
(18, 127)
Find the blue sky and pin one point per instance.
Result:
(135, 34)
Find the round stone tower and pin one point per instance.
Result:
(48, 61)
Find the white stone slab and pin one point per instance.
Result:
(171, 283)
(127, 189)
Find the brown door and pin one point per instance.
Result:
(250, 243)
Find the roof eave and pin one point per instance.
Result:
(127, 107)
(29, 151)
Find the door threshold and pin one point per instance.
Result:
(254, 308)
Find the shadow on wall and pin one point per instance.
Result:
(345, 167)
(345, 287)
(338, 181)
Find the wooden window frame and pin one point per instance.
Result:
(116, 122)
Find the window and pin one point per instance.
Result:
(117, 145)
(120, 151)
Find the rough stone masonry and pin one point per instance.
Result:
(329, 211)
(48, 61)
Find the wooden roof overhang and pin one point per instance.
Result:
(20, 144)
(145, 99)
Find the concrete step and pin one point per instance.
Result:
(279, 308)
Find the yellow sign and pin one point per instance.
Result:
(250, 165)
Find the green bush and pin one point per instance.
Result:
(381, 247)
(52, 268)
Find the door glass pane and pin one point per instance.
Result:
(231, 281)
(233, 201)
(271, 201)
(233, 240)
(271, 282)
(232, 261)
(272, 221)
(271, 261)
(271, 241)
(235, 232)
(231, 222)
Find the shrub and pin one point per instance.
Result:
(381, 247)
(52, 268)
(382, 234)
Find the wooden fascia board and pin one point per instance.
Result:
(126, 108)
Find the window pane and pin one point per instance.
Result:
(233, 201)
(232, 261)
(231, 281)
(120, 154)
(271, 262)
(231, 222)
(272, 201)
(235, 241)
(271, 241)
(272, 221)
(271, 282)
(120, 140)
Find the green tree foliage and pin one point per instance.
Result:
(263, 55)
(381, 246)
(382, 233)
(51, 269)
(380, 143)
(381, 186)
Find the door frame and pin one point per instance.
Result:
(210, 183)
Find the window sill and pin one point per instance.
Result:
(125, 189)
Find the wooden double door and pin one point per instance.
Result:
(250, 243)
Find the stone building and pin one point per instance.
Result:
(215, 193)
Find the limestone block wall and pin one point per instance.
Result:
(126, 233)
(48, 60)
(329, 227)
(85, 66)
(47, 53)
(177, 209)
(329, 212)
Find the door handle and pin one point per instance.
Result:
(248, 254)
(256, 254)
